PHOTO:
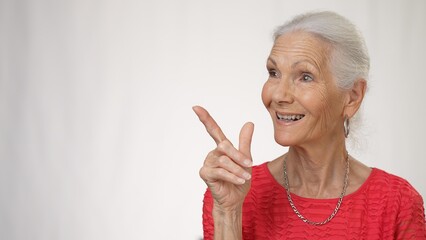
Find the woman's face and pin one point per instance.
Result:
(305, 104)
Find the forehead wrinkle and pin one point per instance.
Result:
(304, 47)
(307, 56)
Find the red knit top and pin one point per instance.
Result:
(384, 207)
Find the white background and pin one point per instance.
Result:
(98, 139)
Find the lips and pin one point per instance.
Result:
(289, 117)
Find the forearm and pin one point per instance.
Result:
(227, 224)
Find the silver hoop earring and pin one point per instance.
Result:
(346, 127)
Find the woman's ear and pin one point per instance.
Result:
(355, 96)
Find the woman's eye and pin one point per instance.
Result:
(273, 73)
(307, 77)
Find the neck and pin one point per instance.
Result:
(317, 172)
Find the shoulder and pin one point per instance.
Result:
(396, 185)
(408, 206)
(389, 193)
(400, 195)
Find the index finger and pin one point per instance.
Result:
(211, 126)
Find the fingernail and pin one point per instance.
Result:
(247, 163)
(247, 176)
(240, 180)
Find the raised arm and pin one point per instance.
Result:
(227, 173)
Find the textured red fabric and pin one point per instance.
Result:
(384, 207)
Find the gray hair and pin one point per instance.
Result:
(349, 58)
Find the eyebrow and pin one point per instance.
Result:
(302, 61)
(271, 60)
(294, 64)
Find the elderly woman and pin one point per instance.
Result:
(318, 69)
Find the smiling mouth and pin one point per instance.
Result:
(290, 117)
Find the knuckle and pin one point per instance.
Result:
(205, 174)
(221, 172)
(221, 160)
(202, 173)
(222, 146)
(209, 156)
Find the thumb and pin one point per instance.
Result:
(246, 135)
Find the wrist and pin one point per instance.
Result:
(227, 223)
(227, 211)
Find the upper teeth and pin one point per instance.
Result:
(290, 117)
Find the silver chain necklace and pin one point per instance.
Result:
(287, 188)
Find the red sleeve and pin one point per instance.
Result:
(208, 224)
(411, 216)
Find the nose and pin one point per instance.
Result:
(283, 91)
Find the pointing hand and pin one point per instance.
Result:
(227, 170)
